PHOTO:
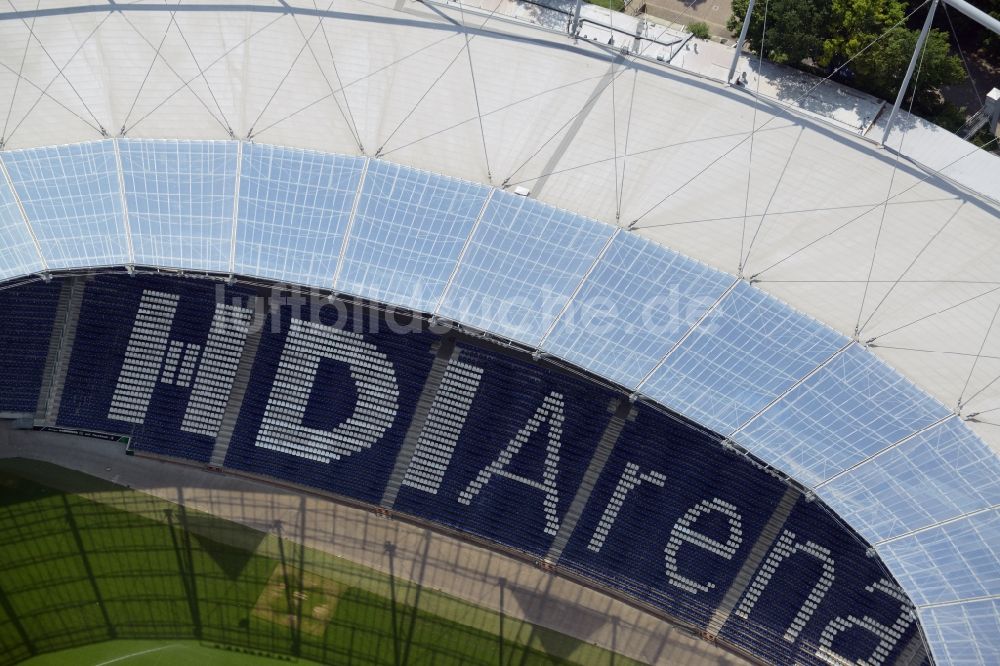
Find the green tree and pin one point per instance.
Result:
(831, 32)
(856, 23)
(795, 28)
(881, 68)
(699, 29)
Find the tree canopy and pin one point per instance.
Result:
(795, 28)
(828, 33)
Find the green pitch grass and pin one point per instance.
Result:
(157, 653)
(93, 573)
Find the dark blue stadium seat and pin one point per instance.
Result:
(671, 519)
(693, 469)
(27, 314)
(506, 510)
(786, 585)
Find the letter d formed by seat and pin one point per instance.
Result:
(374, 377)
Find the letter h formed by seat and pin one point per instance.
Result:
(208, 369)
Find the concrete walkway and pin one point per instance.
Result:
(514, 588)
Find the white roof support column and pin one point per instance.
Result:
(465, 248)
(124, 199)
(740, 41)
(976, 14)
(236, 208)
(909, 70)
(350, 223)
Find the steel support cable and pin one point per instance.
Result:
(31, 32)
(291, 66)
(614, 122)
(590, 100)
(958, 45)
(770, 200)
(793, 103)
(499, 109)
(208, 86)
(351, 127)
(475, 93)
(440, 76)
(932, 314)
(367, 76)
(152, 64)
(753, 132)
(986, 386)
(885, 204)
(340, 83)
(644, 151)
(44, 92)
(17, 80)
(186, 83)
(628, 133)
(975, 362)
(912, 263)
(871, 208)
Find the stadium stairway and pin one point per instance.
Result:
(622, 412)
(446, 351)
(768, 536)
(235, 404)
(60, 351)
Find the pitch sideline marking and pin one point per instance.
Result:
(136, 654)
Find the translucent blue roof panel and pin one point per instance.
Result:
(963, 634)
(18, 255)
(852, 408)
(745, 353)
(72, 197)
(954, 561)
(180, 196)
(407, 234)
(292, 212)
(636, 303)
(524, 261)
(943, 472)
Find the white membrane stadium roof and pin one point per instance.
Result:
(830, 307)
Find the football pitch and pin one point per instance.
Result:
(94, 573)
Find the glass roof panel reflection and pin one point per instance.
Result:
(943, 472)
(180, 196)
(72, 197)
(293, 209)
(18, 255)
(953, 561)
(524, 261)
(407, 234)
(852, 408)
(745, 353)
(639, 299)
(960, 634)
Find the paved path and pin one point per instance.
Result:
(503, 584)
(714, 13)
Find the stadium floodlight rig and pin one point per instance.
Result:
(894, 259)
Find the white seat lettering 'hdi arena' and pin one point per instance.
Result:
(151, 357)
(209, 368)
(374, 378)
